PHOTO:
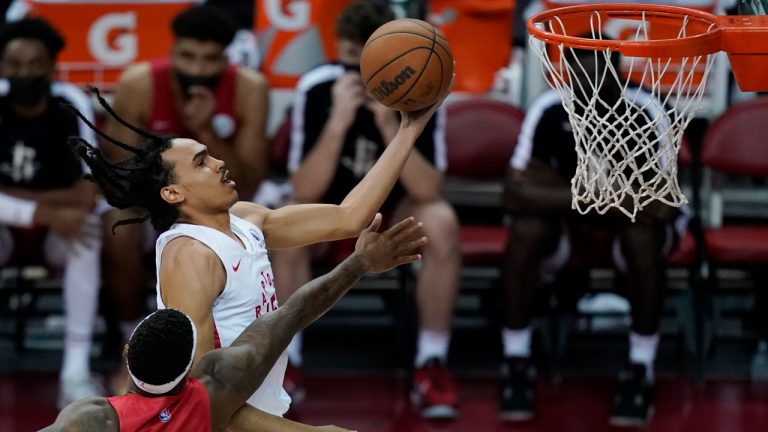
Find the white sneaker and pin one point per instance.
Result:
(72, 389)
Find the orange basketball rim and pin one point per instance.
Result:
(743, 37)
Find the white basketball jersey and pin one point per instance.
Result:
(249, 293)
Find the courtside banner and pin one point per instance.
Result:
(103, 37)
(295, 35)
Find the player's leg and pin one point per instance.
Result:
(437, 285)
(642, 247)
(759, 369)
(80, 285)
(6, 245)
(125, 277)
(531, 240)
(124, 272)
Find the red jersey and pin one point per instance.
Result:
(165, 117)
(188, 411)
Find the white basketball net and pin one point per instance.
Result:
(626, 145)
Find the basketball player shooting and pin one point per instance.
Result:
(212, 259)
(171, 392)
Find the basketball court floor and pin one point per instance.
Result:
(355, 379)
(377, 403)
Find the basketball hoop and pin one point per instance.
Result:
(627, 139)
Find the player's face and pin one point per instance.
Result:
(349, 53)
(197, 63)
(201, 181)
(28, 67)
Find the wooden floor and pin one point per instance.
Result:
(378, 403)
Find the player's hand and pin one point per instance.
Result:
(198, 109)
(348, 95)
(71, 223)
(391, 248)
(417, 120)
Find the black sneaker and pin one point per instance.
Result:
(633, 406)
(518, 381)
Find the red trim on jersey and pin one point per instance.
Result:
(188, 411)
(216, 340)
(165, 117)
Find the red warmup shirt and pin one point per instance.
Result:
(188, 411)
(165, 118)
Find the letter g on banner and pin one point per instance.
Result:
(298, 18)
(123, 49)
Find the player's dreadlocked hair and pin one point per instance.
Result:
(136, 181)
(160, 347)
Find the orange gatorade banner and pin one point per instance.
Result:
(103, 37)
(295, 36)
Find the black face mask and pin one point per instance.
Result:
(28, 91)
(186, 81)
(351, 67)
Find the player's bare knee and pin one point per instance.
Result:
(441, 225)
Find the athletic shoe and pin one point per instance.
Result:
(433, 391)
(73, 389)
(293, 383)
(518, 384)
(633, 406)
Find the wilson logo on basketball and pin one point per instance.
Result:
(386, 88)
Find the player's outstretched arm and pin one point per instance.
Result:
(86, 415)
(300, 225)
(232, 374)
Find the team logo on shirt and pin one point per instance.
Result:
(165, 416)
(23, 165)
(366, 153)
(259, 238)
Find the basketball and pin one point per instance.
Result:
(407, 64)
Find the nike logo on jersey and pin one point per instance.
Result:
(236, 266)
